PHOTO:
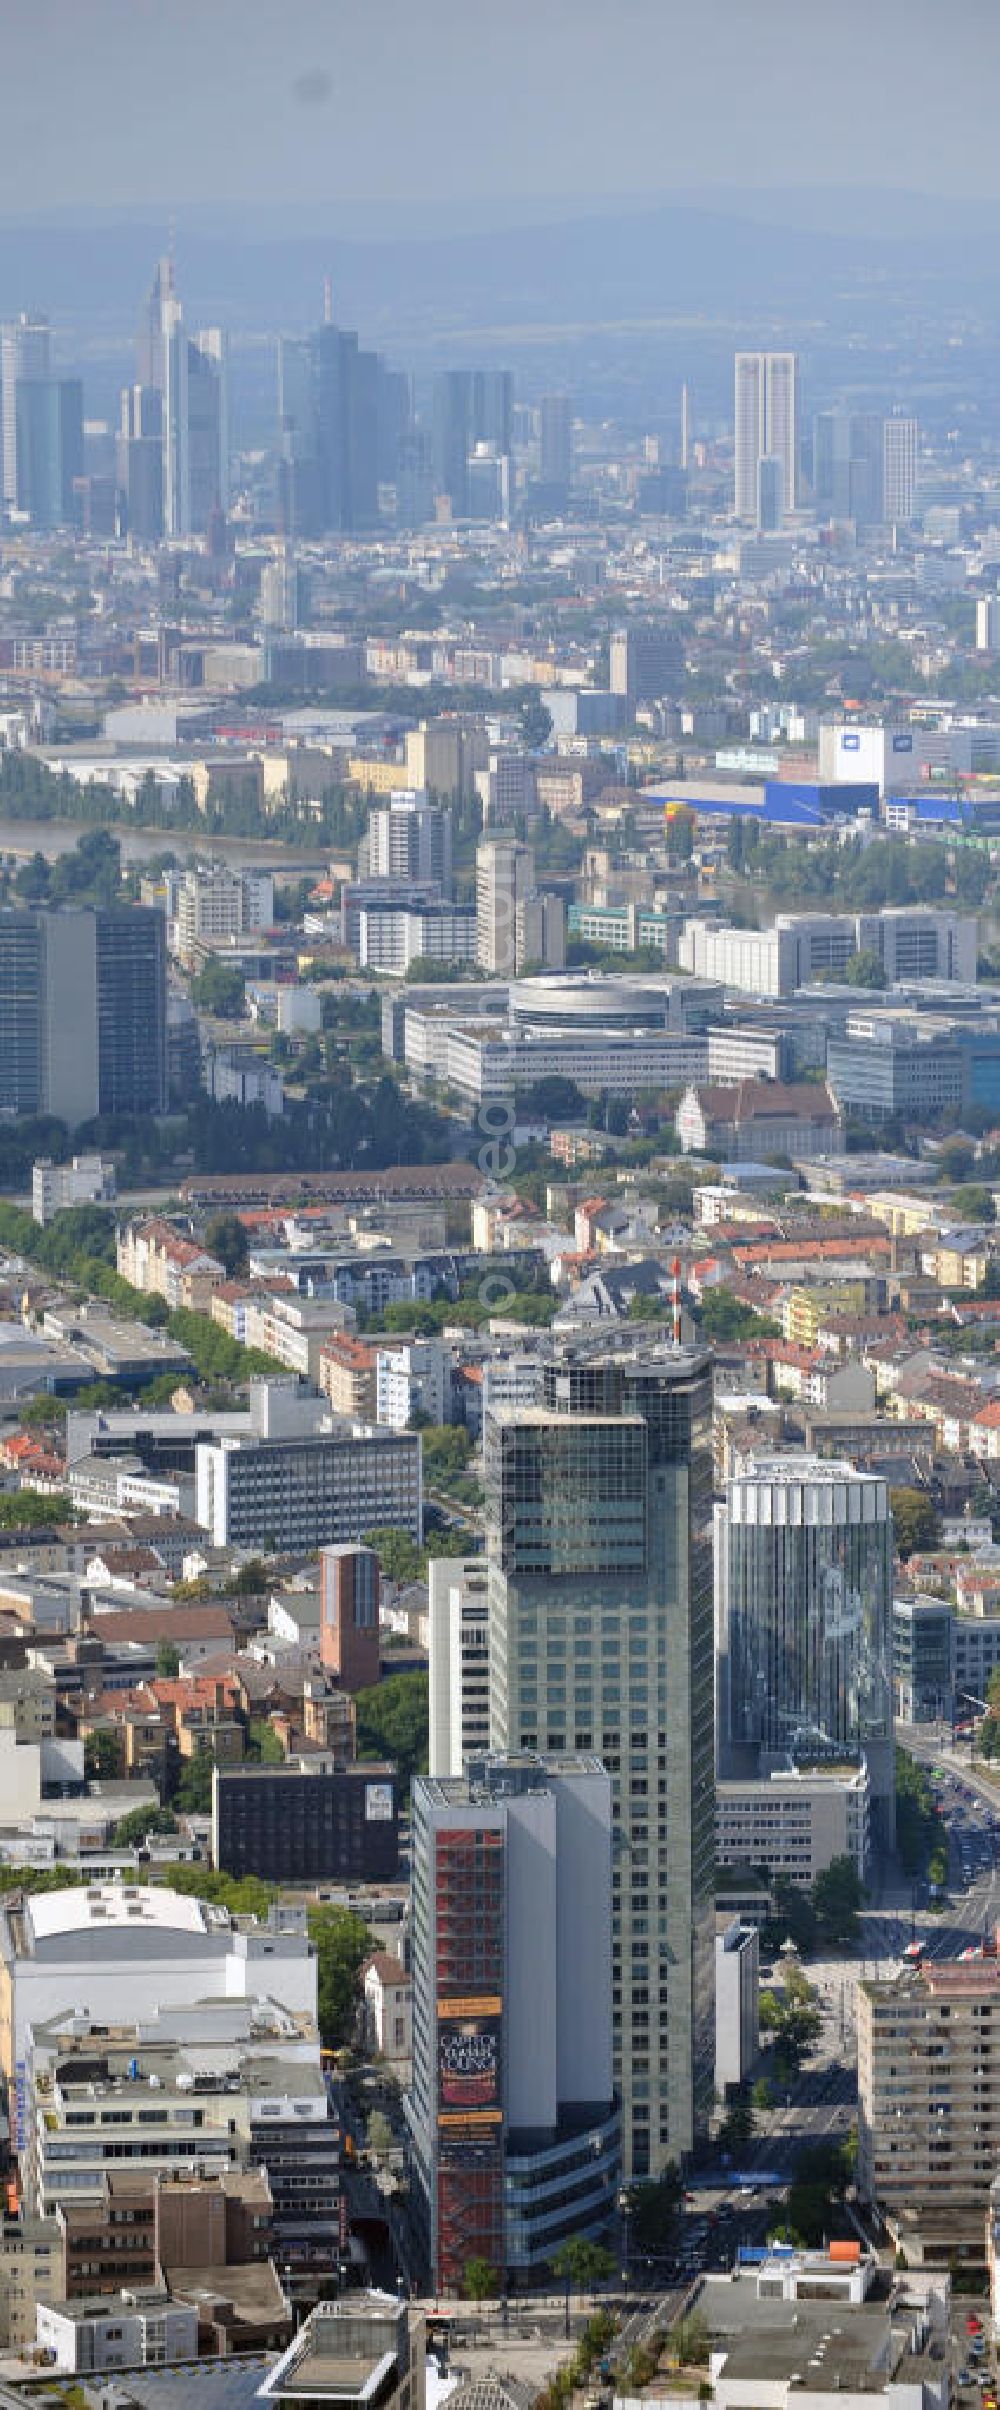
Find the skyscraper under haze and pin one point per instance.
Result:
(599, 1555)
(190, 377)
(767, 428)
(48, 442)
(555, 461)
(471, 406)
(344, 421)
(24, 353)
(900, 470)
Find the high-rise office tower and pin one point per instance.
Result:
(24, 352)
(767, 426)
(408, 839)
(190, 377)
(599, 1547)
(471, 406)
(48, 440)
(459, 1662)
(83, 1012)
(900, 470)
(804, 1621)
(139, 462)
(513, 2121)
(555, 459)
(645, 659)
(505, 876)
(685, 456)
(130, 994)
(848, 466)
(344, 419)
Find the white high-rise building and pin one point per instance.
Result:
(900, 464)
(458, 1614)
(988, 623)
(505, 875)
(767, 427)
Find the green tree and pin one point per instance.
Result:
(974, 1203)
(480, 2280)
(864, 969)
(140, 1822)
(219, 988)
(737, 2129)
(724, 1317)
(837, 1896)
(263, 1743)
(582, 2264)
(168, 1660)
(342, 1943)
(194, 1789)
(400, 1558)
(226, 1238)
(101, 1756)
(913, 1519)
(689, 2341)
(653, 2209)
(393, 1721)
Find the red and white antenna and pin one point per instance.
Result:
(675, 1270)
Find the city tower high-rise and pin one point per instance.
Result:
(804, 1621)
(190, 378)
(471, 406)
(514, 2125)
(24, 353)
(505, 875)
(767, 427)
(344, 426)
(900, 470)
(48, 442)
(83, 1012)
(599, 1548)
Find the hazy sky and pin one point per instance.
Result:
(402, 104)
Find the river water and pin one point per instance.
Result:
(139, 845)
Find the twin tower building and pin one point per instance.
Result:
(563, 1880)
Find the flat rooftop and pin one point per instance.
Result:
(98, 1906)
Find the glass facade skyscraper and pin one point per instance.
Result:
(804, 1559)
(83, 1013)
(599, 1506)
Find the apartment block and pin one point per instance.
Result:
(929, 2095)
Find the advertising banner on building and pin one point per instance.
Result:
(470, 2063)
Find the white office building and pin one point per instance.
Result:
(88, 1180)
(413, 1378)
(459, 1662)
(113, 1950)
(143, 2328)
(900, 468)
(796, 1821)
(737, 2004)
(313, 1491)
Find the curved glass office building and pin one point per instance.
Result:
(804, 1612)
